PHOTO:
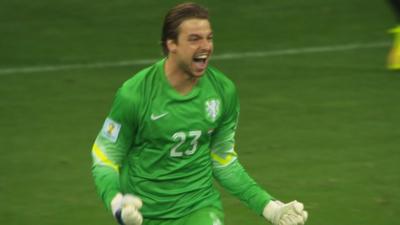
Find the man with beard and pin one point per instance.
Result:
(170, 133)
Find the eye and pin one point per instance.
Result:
(194, 38)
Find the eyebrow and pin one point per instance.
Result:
(194, 35)
(198, 35)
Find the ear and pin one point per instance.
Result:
(172, 46)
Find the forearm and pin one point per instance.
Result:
(237, 182)
(107, 183)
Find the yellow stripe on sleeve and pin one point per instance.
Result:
(230, 157)
(103, 158)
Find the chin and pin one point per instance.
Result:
(198, 74)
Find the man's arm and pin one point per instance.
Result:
(111, 147)
(236, 181)
(232, 176)
(227, 170)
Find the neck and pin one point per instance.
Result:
(180, 80)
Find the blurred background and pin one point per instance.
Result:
(320, 114)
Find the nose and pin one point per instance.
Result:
(206, 45)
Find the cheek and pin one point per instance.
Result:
(191, 48)
(188, 51)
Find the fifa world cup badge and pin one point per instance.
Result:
(212, 109)
(111, 130)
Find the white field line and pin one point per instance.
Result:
(226, 56)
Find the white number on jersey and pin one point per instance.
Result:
(180, 138)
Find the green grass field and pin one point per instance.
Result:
(320, 114)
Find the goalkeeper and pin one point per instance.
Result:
(170, 132)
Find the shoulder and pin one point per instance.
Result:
(140, 78)
(137, 85)
(220, 80)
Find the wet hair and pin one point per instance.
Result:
(175, 17)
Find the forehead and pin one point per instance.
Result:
(195, 26)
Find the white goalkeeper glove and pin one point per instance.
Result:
(292, 213)
(125, 209)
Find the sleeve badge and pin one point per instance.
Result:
(111, 130)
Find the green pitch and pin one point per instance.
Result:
(316, 102)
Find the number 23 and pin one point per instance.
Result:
(180, 138)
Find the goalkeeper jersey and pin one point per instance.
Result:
(163, 146)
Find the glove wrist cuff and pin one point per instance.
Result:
(118, 217)
(269, 212)
(116, 203)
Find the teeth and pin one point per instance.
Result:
(201, 57)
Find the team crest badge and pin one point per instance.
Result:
(212, 109)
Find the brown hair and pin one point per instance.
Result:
(175, 17)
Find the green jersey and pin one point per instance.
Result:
(165, 147)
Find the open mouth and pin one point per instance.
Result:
(200, 62)
(200, 58)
